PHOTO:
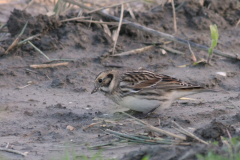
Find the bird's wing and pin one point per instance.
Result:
(145, 80)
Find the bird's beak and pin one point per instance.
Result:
(95, 89)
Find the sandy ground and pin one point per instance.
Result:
(34, 119)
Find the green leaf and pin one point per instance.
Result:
(214, 36)
(215, 143)
(147, 157)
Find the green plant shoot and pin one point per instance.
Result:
(214, 36)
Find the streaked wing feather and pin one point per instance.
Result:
(144, 80)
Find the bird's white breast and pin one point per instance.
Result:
(141, 105)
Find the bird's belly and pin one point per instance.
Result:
(141, 105)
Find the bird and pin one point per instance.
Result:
(142, 90)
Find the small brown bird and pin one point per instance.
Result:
(143, 91)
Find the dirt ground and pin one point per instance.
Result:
(34, 119)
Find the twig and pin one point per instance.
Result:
(151, 43)
(106, 29)
(29, 84)
(15, 42)
(69, 7)
(109, 23)
(180, 5)
(28, 5)
(80, 13)
(155, 129)
(130, 11)
(157, 33)
(100, 145)
(29, 134)
(47, 76)
(229, 135)
(29, 70)
(73, 19)
(14, 151)
(192, 53)
(118, 30)
(53, 60)
(7, 145)
(91, 125)
(180, 129)
(135, 51)
(38, 50)
(114, 5)
(174, 17)
(89, 25)
(237, 23)
(190, 134)
(152, 128)
(112, 65)
(172, 50)
(35, 66)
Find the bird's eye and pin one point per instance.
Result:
(100, 80)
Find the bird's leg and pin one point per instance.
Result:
(144, 115)
(166, 104)
(157, 112)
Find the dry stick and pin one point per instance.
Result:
(174, 17)
(114, 5)
(38, 50)
(156, 33)
(91, 125)
(192, 53)
(135, 51)
(109, 23)
(112, 65)
(237, 23)
(28, 5)
(15, 42)
(158, 130)
(119, 27)
(172, 50)
(229, 135)
(89, 25)
(131, 11)
(73, 19)
(152, 128)
(106, 29)
(35, 66)
(69, 7)
(181, 131)
(80, 12)
(14, 151)
(59, 7)
(29, 70)
(190, 134)
(24, 86)
(100, 145)
(180, 5)
(52, 60)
